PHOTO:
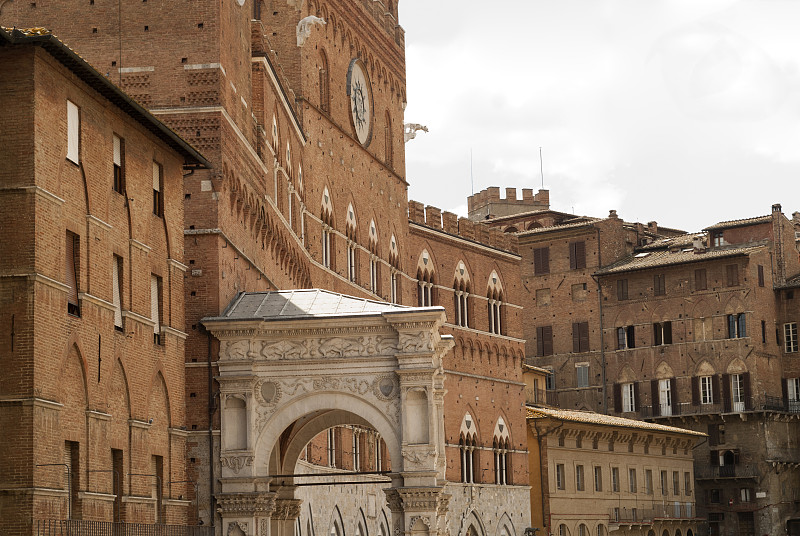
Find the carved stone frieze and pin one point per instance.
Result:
(327, 347)
(245, 504)
(416, 457)
(287, 509)
(415, 341)
(236, 463)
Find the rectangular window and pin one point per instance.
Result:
(582, 370)
(156, 306)
(579, 485)
(351, 261)
(662, 333)
(544, 341)
(158, 190)
(717, 239)
(731, 275)
(632, 480)
(706, 389)
(622, 289)
(550, 380)
(580, 337)
(598, 479)
(676, 483)
(659, 285)
(560, 482)
(626, 337)
(760, 275)
(737, 326)
(744, 495)
(615, 479)
(628, 397)
(331, 447)
(687, 483)
(373, 275)
(793, 390)
(541, 261)
(73, 132)
(356, 452)
(664, 487)
(394, 287)
(715, 496)
(700, 279)
(790, 337)
(577, 255)
(737, 392)
(119, 164)
(648, 481)
(326, 246)
(72, 266)
(116, 282)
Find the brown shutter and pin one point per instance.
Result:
(71, 269)
(617, 398)
(748, 393)
(657, 339)
(713, 457)
(695, 391)
(726, 392)
(667, 332)
(540, 341)
(537, 261)
(548, 340)
(572, 257)
(673, 391)
(760, 275)
(580, 254)
(546, 260)
(584, 336)
(716, 390)
(576, 337)
(636, 397)
(654, 398)
(785, 391)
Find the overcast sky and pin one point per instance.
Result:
(686, 112)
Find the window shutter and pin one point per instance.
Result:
(760, 275)
(548, 340)
(576, 337)
(785, 391)
(73, 132)
(726, 392)
(546, 260)
(713, 457)
(117, 151)
(72, 251)
(573, 259)
(673, 390)
(631, 337)
(716, 390)
(656, 401)
(741, 321)
(657, 340)
(695, 391)
(667, 332)
(617, 398)
(636, 399)
(584, 342)
(154, 300)
(580, 254)
(156, 177)
(537, 261)
(116, 291)
(748, 398)
(540, 341)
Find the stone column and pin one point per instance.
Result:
(285, 516)
(246, 514)
(418, 511)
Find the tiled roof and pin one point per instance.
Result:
(587, 222)
(792, 282)
(652, 259)
(303, 303)
(525, 366)
(590, 417)
(739, 223)
(676, 241)
(45, 39)
(524, 214)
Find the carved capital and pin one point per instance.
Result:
(287, 509)
(245, 504)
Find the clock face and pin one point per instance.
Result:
(360, 94)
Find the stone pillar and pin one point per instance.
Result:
(418, 511)
(246, 514)
(285, 516)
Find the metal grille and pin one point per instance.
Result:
(50, 527)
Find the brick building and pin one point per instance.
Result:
(303, 123)
(694, 330)
(92, 296)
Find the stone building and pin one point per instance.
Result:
(696, 330)
(299, 108)
(91, 395)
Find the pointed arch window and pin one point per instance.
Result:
(425, 280)
(501, 446)
(327, 245)
(394, 261)
(461, 293)
(468, 448)
(352, 246)
(324, 83)
(495, 305)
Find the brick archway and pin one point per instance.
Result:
(306, 360)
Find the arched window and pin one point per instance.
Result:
(374, 259)
(425, 280)
(495, 300)
(583, 530)
(352, 246)
(562, 530)
(394, 261)
(389, 141)
(500, 449)
(324, 83)
(327, 231)
(461, 290)
(468, 444)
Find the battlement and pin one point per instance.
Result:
(489, 203)
(385, 15)
(450, 223)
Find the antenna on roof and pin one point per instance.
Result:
(541, 167)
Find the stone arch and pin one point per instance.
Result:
(704, 368)
(506, 527)
(736, 366)
(473, 525)
(355, 409)
(336, 524)
(734, 305)
(361, 527)
(74, 395)
(119, 406)
(158, 407)
(626, 375)
(664, 371)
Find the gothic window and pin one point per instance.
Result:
(426, 282)
(468, 445)
(327, 244)
(500, 448)
(352, 245)
(461, 291)
(495, 300)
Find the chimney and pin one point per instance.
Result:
(698, 245)
(612, 215)
(776, 207)
(652, 227)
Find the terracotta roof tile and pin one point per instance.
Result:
(739, 223)
(586, 223)
(651, 259)
(590, 417)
